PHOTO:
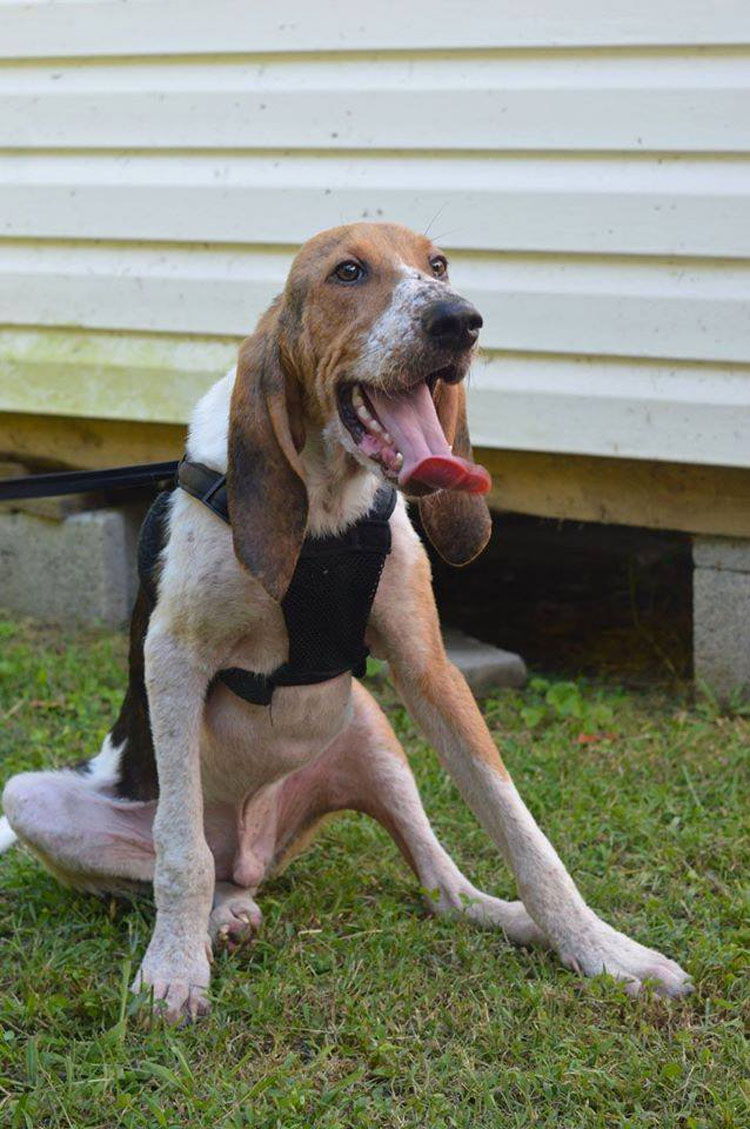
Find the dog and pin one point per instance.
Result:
(244, 725)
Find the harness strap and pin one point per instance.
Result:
(207, 485)
(367, 538)
(246, 684)
(258, 688)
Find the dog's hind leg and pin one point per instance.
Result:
(84, 836)
(366, 770)
(90, 839)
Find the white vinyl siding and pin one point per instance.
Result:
(164, 28)
(585, 164)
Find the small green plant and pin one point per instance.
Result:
(546, 702)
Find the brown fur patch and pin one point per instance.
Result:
(265, 482)
(445, 688)
(420, 669)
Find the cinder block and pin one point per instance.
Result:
(484, 667)
(728, 554)
(721, 615)
(77, 571)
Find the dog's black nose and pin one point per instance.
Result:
(452, 324)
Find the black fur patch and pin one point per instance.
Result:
(138, 776)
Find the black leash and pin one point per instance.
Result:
(82, 481)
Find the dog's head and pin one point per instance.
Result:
(369, 344)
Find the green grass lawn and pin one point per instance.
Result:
(353, 1007)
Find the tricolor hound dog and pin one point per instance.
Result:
(350, 386)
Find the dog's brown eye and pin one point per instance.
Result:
(439, 266)
(349, 271)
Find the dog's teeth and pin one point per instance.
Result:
(388, 439)
(357, 397)
(377, 427)
(363, 413)
(398, 462)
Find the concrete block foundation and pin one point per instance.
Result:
(80, 570)
(721, 615)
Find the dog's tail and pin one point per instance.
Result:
(7, 835)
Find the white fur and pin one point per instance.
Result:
(209, 427)
(7, 835)
(104, 769)
(395, 337)
(336, 501)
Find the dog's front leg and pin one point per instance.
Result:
(176, 965)
(443, 706)
(405, 630)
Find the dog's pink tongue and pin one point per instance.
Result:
(415, 428)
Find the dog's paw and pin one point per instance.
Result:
(175, 1001)
(175, 989)
(599, 948)
(233, 921)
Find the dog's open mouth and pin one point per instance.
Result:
(402, 433)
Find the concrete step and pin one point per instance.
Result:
(485, 667)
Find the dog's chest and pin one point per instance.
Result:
(246, 747)
(325, 609)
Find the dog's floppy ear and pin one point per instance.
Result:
(457, 524)
(265, 480)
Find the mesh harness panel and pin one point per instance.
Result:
(327, 605)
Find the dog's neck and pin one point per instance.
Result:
(339, 489)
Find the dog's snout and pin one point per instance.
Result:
(452, 324)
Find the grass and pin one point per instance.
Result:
(353, 1007)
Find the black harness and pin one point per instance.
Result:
(327, 605)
